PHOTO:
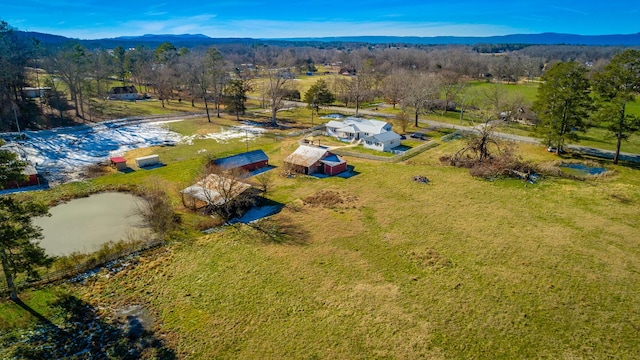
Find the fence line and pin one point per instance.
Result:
(53, 276)
(391, 159)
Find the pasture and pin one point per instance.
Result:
(380, 266)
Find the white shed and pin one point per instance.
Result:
(147, 161)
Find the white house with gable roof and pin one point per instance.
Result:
(375, 134)
(382, 142)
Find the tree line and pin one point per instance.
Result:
(80, 77)
(573, 94)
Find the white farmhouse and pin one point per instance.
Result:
(375, 134)
(353, 128)
(382, 142)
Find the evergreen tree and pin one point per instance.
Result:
(615, 87)
(19, 249)
(319, 95)
(10, 168)
(563, 103)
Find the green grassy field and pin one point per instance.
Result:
(457, 268)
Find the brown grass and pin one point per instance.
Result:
(460, 268)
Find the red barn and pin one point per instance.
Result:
(248, 161)
(333, 164)
(312, 160)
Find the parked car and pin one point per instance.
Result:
(553, 149)
(419, 135)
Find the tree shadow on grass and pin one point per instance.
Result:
(41, 319)
(283, 230)
(84, 334)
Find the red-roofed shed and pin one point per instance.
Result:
(119, 163)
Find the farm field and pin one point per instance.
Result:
(381, 266)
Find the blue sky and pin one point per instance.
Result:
(91, 19)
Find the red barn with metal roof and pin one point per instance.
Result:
(248, 161)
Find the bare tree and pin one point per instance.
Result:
(362, 87)
(71, 66)
(402, 120)
(265, 180)
(275, 88)
(199, 70)
(467, 99)
(100, 67)
(54, 98)
(139, 63)
(421, 89)
(451, 86)
(155, 208)
(394, 86)
(514, 104)
(164, 80)
(494, 99)
(221, 192)
(220, 78)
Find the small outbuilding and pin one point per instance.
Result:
(248, 161)
(213, 190)
(35, 92)
(29, 172)
(123, 93)
(32, 176)
(119, 163)
(313, 160)
(146, 161)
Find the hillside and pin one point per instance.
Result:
(194, 40)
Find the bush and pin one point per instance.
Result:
(505, 164)
(156, 209)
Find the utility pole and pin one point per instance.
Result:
(15, 115)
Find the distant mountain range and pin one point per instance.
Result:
(529, 39)
(151, 37)
(191, 40)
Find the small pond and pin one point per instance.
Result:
(581, 169)
(84, 224)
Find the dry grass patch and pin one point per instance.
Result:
(428, 259)
(331, 199)
(460, 268)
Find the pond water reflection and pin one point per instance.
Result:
(84, 224)
(581, 169)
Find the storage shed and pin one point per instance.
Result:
(333, 165)
(145, 161)
(119, 163)
(213, 190)
(32, 176)
(35, 92)
(248, 161)
(123, 93)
